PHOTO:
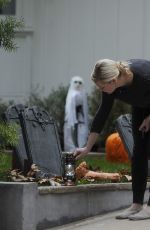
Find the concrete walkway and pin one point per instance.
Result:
(106, 222)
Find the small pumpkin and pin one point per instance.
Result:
(114, 148)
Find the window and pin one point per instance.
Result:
(9, 9)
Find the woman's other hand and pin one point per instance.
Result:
(145, 126)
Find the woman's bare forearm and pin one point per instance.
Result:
(91, 140)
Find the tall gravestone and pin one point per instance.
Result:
(44, 141)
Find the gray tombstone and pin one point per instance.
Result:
(44, 142)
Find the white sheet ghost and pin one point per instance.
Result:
(76, 116)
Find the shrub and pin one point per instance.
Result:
(8, 135)
(3, 107)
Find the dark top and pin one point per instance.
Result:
(136, 94)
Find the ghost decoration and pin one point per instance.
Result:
(76, 116)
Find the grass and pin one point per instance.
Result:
(5, 166)
(94, 162)
(99, 163)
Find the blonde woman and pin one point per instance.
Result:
(128, 81)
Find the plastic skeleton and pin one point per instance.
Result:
(76, 116)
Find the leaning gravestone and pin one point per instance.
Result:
(20, 158)
(38, 140)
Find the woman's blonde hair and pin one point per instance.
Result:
(106, 70)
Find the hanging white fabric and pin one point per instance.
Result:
(76, 115)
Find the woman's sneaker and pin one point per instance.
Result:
(128, 212)
(144, 214)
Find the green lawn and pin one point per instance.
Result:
(94, 162)
(5, 166)
(100, 163)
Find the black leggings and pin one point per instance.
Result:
(141, 153)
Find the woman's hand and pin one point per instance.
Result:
(80, 152)
(145, 126)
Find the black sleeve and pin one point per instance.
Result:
(102, 113)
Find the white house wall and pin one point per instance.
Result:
(64, 38)
(15, 72)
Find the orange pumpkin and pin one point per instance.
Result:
(114, 148)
